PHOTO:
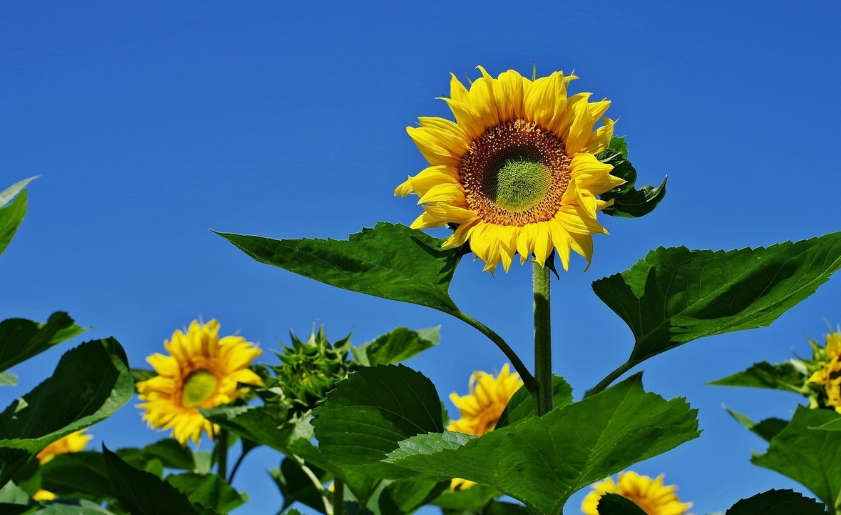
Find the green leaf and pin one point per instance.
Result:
(676, 295)
(405, 496)
(142, 493)
(808, 456)
(521, 405)
(766, 429)
(8, 379)
(13, 494)
(78, 475)
(209, 490)
(22, 339)
(542, 461)
(504, 508)
(73, 508)
(367, 414)
(472, 499)
(172, 454)
(11, 214)
(90, 383)
(396, 346)
(613, 504)
(296, 485)
(782, 376)
(777, 502)
(388, 261)
(628, 202)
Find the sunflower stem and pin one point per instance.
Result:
(338, 498)
(528, 380)
(542, 339)
(222, 453)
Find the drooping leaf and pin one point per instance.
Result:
(78, 475)
(22, 339)
(676, 295)
(388, 261)
(542, 461)
(806, 455)
(8, 379)
(90, 383)
(142, 493)
(628, 201)
(613, 504)
(782, 376)
(405, 496)
(396, 346)
(521, 405)
(12, 212)
(766, 429)
(297, 485)
(777, 502)
(208, 490)
(172, 454)
(366, 416)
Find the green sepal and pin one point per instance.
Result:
(628, 202)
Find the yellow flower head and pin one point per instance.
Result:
(828, 374)
(516, 171)
(74, 442)
(481, 409)
(649, 494)
(202, 371)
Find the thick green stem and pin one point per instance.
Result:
(528, 380)
(338, 498)
(542, 339)
(222, 454)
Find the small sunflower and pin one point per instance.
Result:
(516, 172)
(202, 371)
(649, 494)
(74, 442)
(828, 374)
(481, 409)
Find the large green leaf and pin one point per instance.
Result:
(91, 382)
(209, 490)
(367, 414)
(765, 429)
(808, 456)
(613, 504)
(396, 346)
(782, 376)
(12, 211)
(521, 405)
(542, 461)
(22, 339)
(628, 201)
(78, 475)
(676, 295)
(142, 493)
(388, 261)
(777, 502)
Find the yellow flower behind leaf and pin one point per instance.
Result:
(74, 442)
(828, 374)
(516, 171)
(201, 371)
(482, 407)
(649, 494)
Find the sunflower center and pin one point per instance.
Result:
(515, 174)
(199, 386)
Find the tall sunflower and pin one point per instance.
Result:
(202, 371)
(516, 172)
(481, 408)
(828, 373)
(649, 494)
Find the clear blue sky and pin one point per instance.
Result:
(152, 123)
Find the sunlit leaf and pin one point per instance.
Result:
(22, 339)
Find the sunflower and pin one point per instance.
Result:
(74, 442)
(202, 371)
(481, 409)
(828, 374)
(649, 494)
(516, 172)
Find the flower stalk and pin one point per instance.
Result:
(542, 339)
(222, 454)
(338, 498)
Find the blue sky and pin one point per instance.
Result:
(152, 123)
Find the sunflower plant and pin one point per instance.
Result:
(526, 170)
